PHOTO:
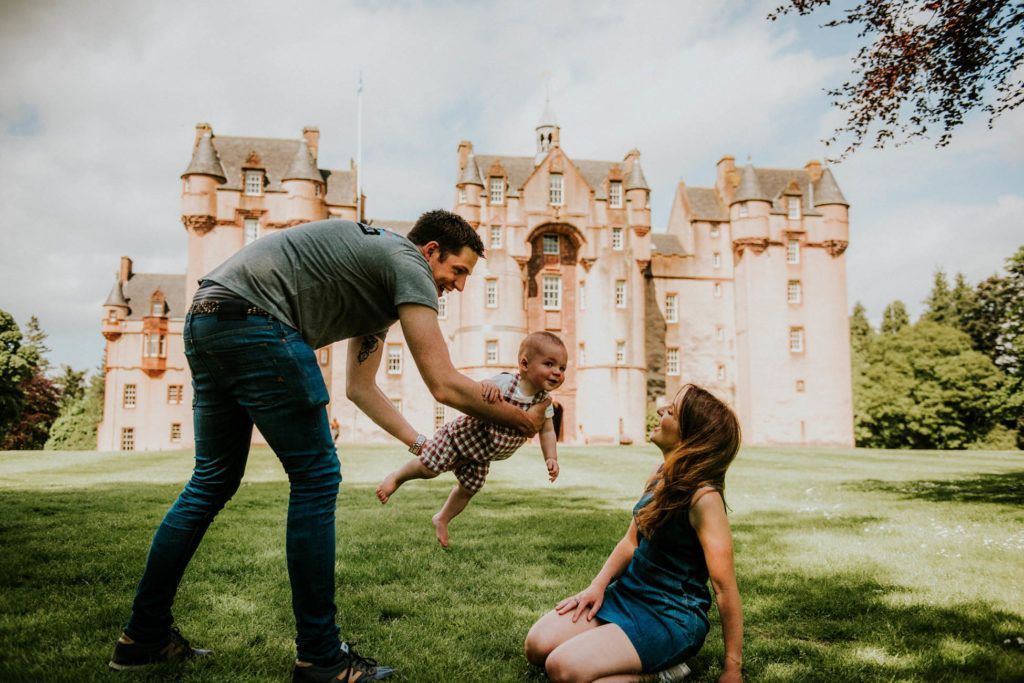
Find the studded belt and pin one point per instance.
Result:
(236, 306)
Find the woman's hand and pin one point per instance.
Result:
(588, 600)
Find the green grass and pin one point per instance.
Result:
(853, 565)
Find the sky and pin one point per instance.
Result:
(99, 102)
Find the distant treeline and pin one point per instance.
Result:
(954, 378)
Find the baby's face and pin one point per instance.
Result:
(545, 368)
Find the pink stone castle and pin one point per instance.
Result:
(745, 293)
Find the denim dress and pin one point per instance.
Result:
(661, 600)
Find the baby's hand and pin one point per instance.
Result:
(552, 468)
(490, 392)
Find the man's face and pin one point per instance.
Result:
(450, 273)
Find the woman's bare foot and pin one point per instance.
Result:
(387, 487)
(441, 529)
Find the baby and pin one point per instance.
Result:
(467, 445)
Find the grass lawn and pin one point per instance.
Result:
(853, 565)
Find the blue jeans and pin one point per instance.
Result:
(253, 369)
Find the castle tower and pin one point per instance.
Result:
(115, 308)
(547, 132)
(469, 186)
(200, 181)
(304, 186)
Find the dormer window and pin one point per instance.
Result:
(793, 208)
(555, 189)
(254, 183)
(615, 194)
(497, 190)
(156, 305)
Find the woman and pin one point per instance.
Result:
(647, 609)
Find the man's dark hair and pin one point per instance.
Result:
(449, 230)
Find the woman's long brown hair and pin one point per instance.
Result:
(709, 435)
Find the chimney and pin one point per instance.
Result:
(312, 135)
(126, 269)
(813, 168)
(726, 178)
(465, 149)
(201, 130)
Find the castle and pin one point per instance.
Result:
(744, 293)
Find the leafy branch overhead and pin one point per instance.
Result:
(925, 65)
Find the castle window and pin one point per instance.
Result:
(127, 438)
(617, 239)
(252, 230)
(325, 356)
(186, 185)
(492, 292)
(462, 195)
(491, 352)
(442, 307)
(397, 403)
(718, 289)
(793, 292)
(793, 251)
(715, 230)
(720, 373)
(394, 359)
(672, 361)
(497, 190)
(254, 183)
(615, 194)
(552, 286)
(793, 208)
(582, 295)
(129, 395)
(317, 190)
(796, 340)
(438, 415)
(175, 394)
(620, 353)
(495, 237)
(719, 333)
(581, 357)
(671, 308)
(154, 345)
(716, 260)
(744, 211)
(555, 189)
(112, 316)
(620, 294)
(800, 386)
(551, 243)
(156, 307)
(175, 432)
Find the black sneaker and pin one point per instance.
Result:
(350, 668)
(129, 654)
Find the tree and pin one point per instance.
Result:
(35, 342)
(75, 428)
(894, 318)
(924, 63)
(41, 405)
(939, 304)
(16, 365)
(963, 302)
(860, 328)
(71, 383)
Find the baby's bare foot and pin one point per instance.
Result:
(441, 529)
(386, 488)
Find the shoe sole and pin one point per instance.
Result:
(196, 652)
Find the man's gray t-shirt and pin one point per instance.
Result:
(330, 279)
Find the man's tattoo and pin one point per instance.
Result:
(370, 343)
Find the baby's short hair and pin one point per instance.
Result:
(533, 342)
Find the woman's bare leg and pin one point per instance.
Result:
(457, 501)
(602, 654)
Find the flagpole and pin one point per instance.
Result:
(359, 148)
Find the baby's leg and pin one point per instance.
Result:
(457, 501)
(413, 469)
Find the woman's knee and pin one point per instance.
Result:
(538, 645)
(561, 668)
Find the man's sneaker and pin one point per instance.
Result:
(350, 668)
(673, 674)
(129, 654)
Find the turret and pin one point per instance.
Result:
(305, 186)
(547, 132)
(470, 185)
(830, 202)
(200, 180)
(749, 211)
(115, 308)
(638, 194)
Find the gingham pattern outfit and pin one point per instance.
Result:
(467, 446)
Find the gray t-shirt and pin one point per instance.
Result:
(331, 279)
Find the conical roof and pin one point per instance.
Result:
(636, 178)
(749, 188)
(826, 190)
(116, 296)
(548, 118)
(303, 167)
(205, 160)
(470, 174)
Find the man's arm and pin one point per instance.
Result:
(364, 354)
(448, 385)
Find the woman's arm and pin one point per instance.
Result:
(708, 518)
(593, 595)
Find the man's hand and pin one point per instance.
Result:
(552, 466)
(490, 391)
(536, 417)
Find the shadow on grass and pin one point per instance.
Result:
(72, 559)
(1006, 489)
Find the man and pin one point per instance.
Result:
(249, 338)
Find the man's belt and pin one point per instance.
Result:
(232, 306)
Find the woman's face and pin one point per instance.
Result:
(666, 435)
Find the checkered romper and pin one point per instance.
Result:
(467, 446)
